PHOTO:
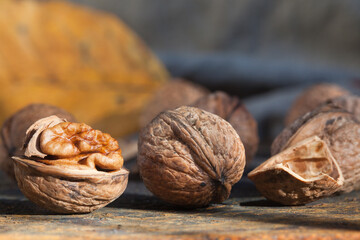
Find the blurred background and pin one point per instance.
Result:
(265, 52)
(275, 43)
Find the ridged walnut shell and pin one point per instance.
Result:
(234, 111)
(339, 131)
(175, 93)
(190, 157)
(311, 98)
(13, 131)
(67, 190)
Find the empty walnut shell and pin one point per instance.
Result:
(339, 130)
(311, 98)
(69, 167)
(232, 110)
(300, 174)
(13, 131)
(175, 93)
(190, 157)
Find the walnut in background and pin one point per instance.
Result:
(234, 111)
(311, 98)
(13, 131)
(175, 93)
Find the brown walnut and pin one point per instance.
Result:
(350, 103)
(13, 131)
(232, 110)
(311, 98)
(69, 167)
(190, 157)
(330, 130)
(175, 93)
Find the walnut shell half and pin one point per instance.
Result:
(190, 157)
(339, 129)
(340, 132)
(68, 190)
(300, 174)
(69, 167)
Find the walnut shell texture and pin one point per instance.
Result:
(67, 190)
(339, 129)
(13, 131)
(300, 174)
(341, 132)
(350, 103)
(175, 93)
(311, 98)
(232, 110)
(190, 157)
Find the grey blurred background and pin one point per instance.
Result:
(248, 44)
(318, 40)
(265, 51)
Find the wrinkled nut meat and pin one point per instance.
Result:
(70, 167)
(13, 131)
(311, 98)
(329, 130)
(190, 157)
(232, 110)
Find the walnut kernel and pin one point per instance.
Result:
(13, 131)
(83, 165)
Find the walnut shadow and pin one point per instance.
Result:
(304, 220)
(21, 207)
(261, 203)
(337, 215)
(261, 211)
(152, 203)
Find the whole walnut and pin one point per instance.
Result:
(314, 157)
(232, 110)
(69, 167)
(13, 131)
(190, 157)
(311, 98)
(175, 93)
